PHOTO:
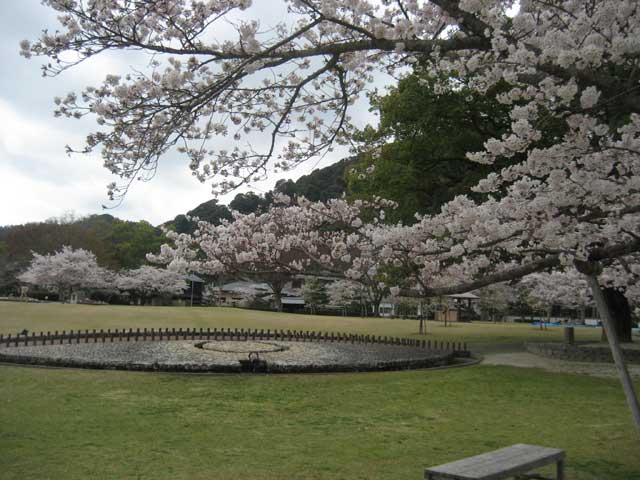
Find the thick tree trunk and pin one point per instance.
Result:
(620, 313)
(543, 325)
(608, 324)
(277, 300)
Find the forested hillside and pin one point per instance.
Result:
(320, 185)
(117, 243)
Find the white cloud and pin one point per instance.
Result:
(39, 181)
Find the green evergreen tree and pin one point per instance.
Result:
(417, 155)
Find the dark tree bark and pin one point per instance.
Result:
(620, 311)
(277, 299)
(276, 282)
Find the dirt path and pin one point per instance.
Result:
(525, 359)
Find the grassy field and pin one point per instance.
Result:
(74, 424)
(16, 316)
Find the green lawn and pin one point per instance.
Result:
(77, 424)
(16, 316)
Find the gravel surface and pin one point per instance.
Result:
(226, 356)
(529, 360)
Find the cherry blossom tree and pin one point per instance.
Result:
(344, 293)
(566, 289)
(495, 299)
(573, 62)
(292, 238)
(67, 270)
(314, 293)
(335, 237)
(148, 281)
(258, 247)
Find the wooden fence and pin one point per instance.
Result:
(160, 334)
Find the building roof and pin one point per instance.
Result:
(292, 301)
(193, 278)
(468, 295)
(246, 288)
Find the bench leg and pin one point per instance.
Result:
(560, 470)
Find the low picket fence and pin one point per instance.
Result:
(165, 334)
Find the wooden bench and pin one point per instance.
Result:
(513, 461)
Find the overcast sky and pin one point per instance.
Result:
(38, 180)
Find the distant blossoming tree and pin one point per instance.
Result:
(252, 246)
(67, 270)
(343, 293)
(314, 293)
(292, 238)
(566, 289)
(495, 299)
(148, 281)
